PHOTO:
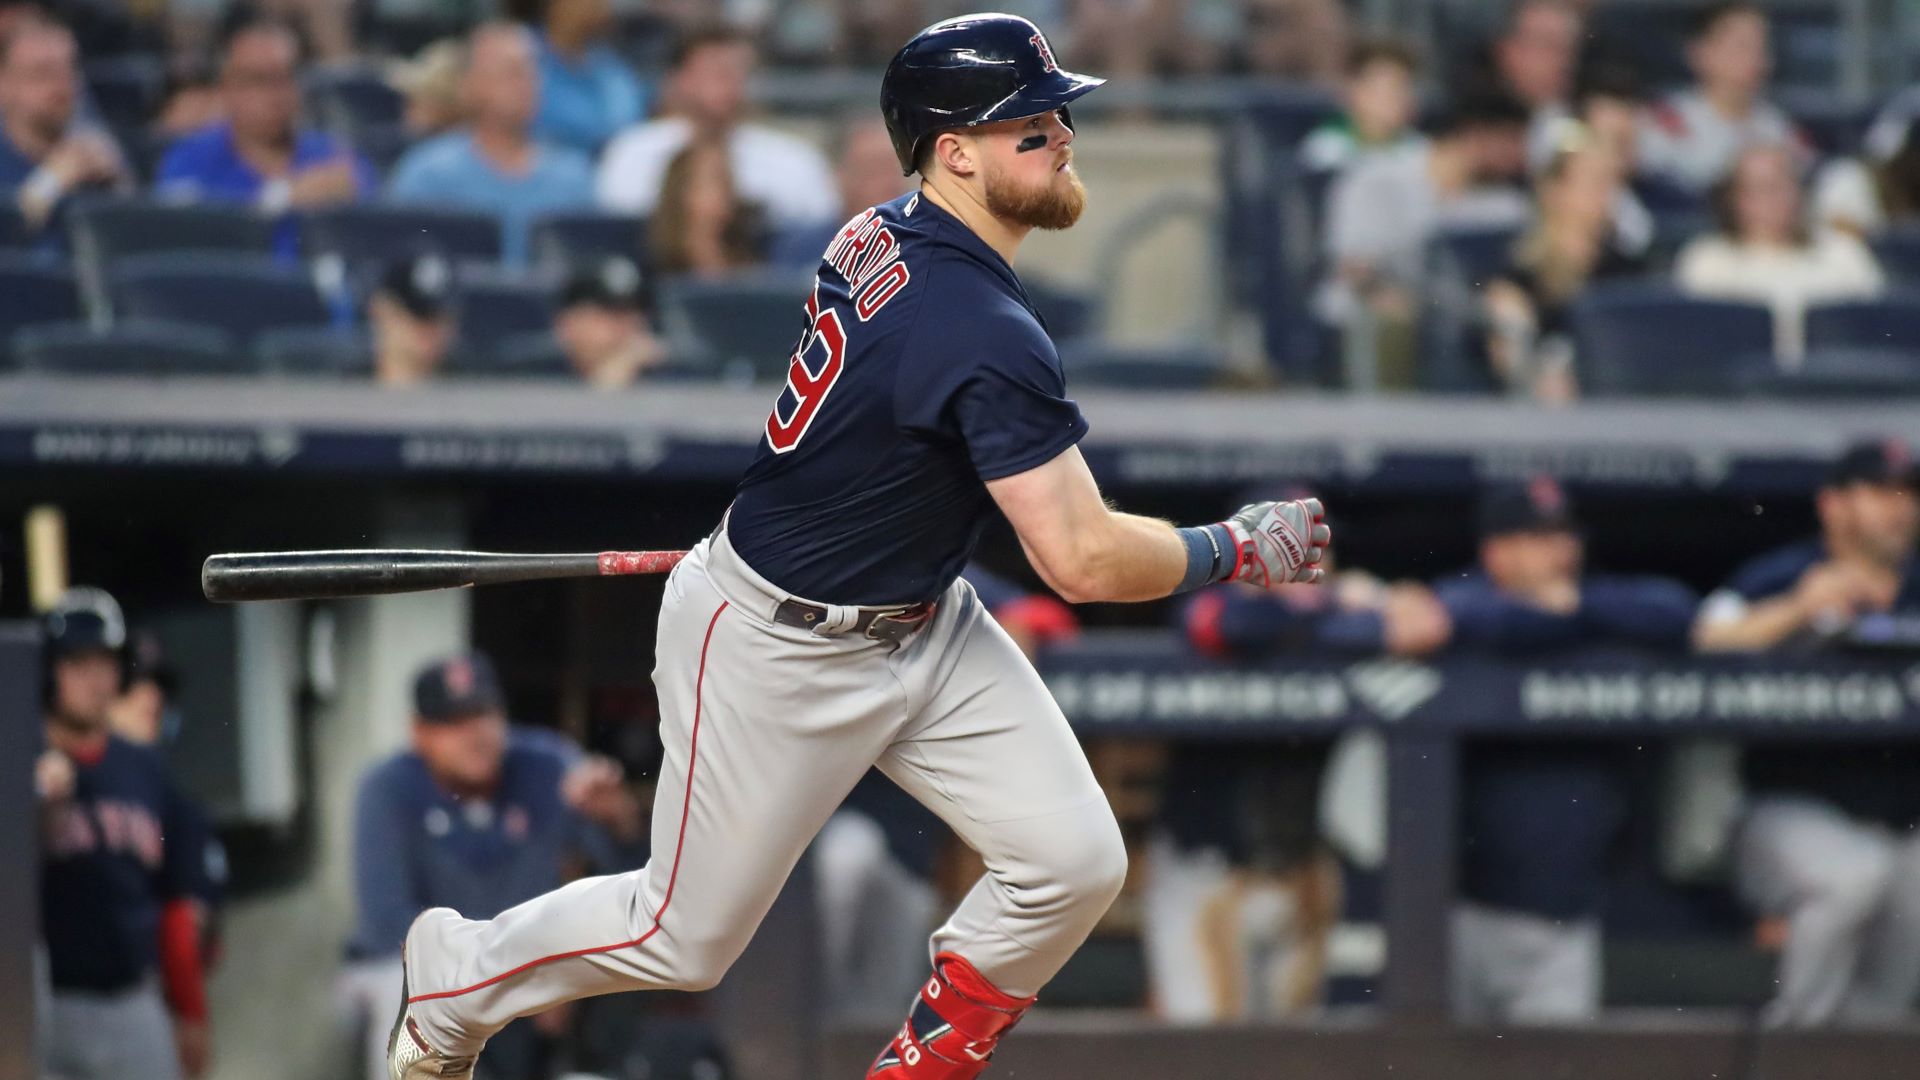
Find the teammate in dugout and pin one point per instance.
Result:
(121, 876)
(924, 394)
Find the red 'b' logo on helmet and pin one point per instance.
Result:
(1046, 54)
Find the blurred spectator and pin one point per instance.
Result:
(494, 163)
(1695, 136)
(1766, 253)
(477, 816)
(1828, 842)
(1379, 107)
(701, 226)
(259, 154)
(1305, 40)
(705, 96)
(867, 174)
(1865, 195)
(1571, 243)
(1607, 104)
(46, 149)
(412, 321)
(430, 83)
(1539, 820)
(1382, 213)
(120, 914)
(1534, 58)
(603, 325)
(588, 92)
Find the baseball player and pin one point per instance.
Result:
(824, 628)
(119, 889)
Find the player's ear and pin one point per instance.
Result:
(956, 152)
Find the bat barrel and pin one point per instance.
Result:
(309, 575)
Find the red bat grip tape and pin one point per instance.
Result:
(639, 562)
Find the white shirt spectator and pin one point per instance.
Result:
(784, 174)
(1833, 266)
(1689, 141)
(1384, 210)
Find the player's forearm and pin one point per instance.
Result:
(1124, 558)
(1763, 626)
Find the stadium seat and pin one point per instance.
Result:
(565, 240)
(1864, 373)
(244, 298)
(1142, 369)
(314, 352)
(1889, 322)
(497, 307)
(1475, 253)
(750, 323)
(107, 231)
(1898, 250)
(132, 348)
(529, 355)
(368, 237)
(1646, 338)
(34, 292)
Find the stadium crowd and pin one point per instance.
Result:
(1487, 210)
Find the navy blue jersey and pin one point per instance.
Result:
(417, 846)
(1874, 783)
(923, 372)
(111, 859)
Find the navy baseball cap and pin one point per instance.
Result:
(84, 619)
(457, 686)
(1539, 505)
(1876, 461)
(614, 282)
(422, 284)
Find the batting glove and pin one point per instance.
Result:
(1278, 543)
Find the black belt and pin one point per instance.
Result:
(893, 624)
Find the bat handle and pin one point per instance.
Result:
(613, 563)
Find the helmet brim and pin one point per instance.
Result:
(1058, 88)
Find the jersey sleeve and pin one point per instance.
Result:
(1011, 408)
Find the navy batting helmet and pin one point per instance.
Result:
(974, 69)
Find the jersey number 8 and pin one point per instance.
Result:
(809, 385)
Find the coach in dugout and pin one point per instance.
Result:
(1540, 820)
(478, 816)
(119, 915)
(1827, 843)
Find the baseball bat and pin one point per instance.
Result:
(318, 575)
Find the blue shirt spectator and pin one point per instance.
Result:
(48, 149)
(259, 156)
(452, 170)
(495, 164)
(587, 95)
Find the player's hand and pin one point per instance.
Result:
(1279, 542)
(194, 1041)
(53, 777)
(596, 788)
(1414, 622)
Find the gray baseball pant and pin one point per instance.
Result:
(112, 1036)
(766, 728)
(1850, 892)
(1518, 968)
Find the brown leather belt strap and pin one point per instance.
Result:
(881, 624)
